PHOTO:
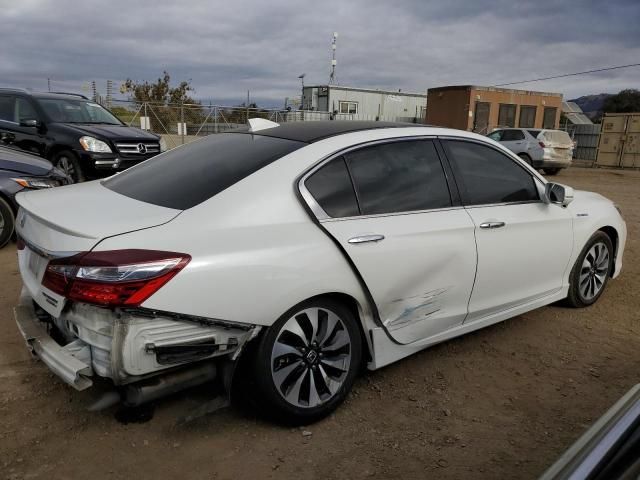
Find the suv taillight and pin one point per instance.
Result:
(541, 144)
(113, 278)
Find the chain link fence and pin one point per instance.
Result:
(182, 123)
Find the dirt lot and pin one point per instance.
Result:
(500, 403)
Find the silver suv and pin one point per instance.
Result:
(550, 150)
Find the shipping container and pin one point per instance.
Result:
(619, 144)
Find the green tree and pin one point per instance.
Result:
(165, 104)
(626, 101)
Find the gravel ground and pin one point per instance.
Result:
(503, 402)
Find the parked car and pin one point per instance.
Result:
(77, 135)
(318, 246)
(609, 450)
(21, 172)
(550, 150)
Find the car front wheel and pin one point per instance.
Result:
(307, 361)
(7, 222)
(591, 271)
(68, 162)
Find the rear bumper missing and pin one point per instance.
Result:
(60, 360)
(125, 347)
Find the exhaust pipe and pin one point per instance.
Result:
(163, 385)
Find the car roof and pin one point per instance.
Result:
(65, 95)
(313, 131)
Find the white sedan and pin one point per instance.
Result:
(307, 250)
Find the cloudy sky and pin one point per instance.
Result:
(229, 47)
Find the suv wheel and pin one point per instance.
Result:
(67, 161)
(7, 222)
(307, 361)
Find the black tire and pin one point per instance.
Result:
(579, 294)
(68, 162)
(7, 222)
(551, 171)
(526, 158)
(297, 369)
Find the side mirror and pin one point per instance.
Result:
(29, 122)
(558, 194)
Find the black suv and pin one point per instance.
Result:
(77, 135)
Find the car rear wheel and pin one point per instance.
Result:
(68, 162)
(307, 361)
(551, 171)
(591, 271)
(7, 222)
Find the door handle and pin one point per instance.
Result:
(366, 238)
(492, 225)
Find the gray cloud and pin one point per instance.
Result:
(227, 48)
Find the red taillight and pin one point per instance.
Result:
(20, 244)
(113, 278)
(541, 144)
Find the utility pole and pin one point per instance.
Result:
(48, 84)
(332, 76)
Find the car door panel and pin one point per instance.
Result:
(522, 260)
(421, 274)
(523, 244)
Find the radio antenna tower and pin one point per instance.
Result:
(332, 76)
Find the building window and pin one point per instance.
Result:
(507, 115)
(348, 107)
(549, 119)
(527, 116)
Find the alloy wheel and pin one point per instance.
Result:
(66, 165)
(311, 357)
(594, 271)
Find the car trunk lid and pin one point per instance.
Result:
(66, 220)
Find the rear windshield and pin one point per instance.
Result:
(186, 176)
(556, 136)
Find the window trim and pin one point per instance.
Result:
(347, 102)
(323, 216)
(539, 183)
(527, 107)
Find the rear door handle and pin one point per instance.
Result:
(492, 225)
(366, 238)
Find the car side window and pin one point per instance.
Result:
(496, 135)
(7, 108)
(332, 189)
(512, 135)
(24, 110)
(487, 176)
(398, 177)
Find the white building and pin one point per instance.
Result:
(364, 104)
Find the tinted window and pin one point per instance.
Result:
(507, 115)
(6, 108)
(527, 116)
(549, 118)
(487, 176)
(186, 176)
(398, 177)
(76, 111)
(495, 135)
(512, 135)
(534, 133)
(24, 110)
(332, 189)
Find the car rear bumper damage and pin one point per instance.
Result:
(152, 353)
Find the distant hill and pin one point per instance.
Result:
(591, 104)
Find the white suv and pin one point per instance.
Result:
(550, 150)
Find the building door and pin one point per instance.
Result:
(481, 118)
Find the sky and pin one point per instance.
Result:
(228, 47)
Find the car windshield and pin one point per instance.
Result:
(65, 110)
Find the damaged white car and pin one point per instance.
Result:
(320, 247)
